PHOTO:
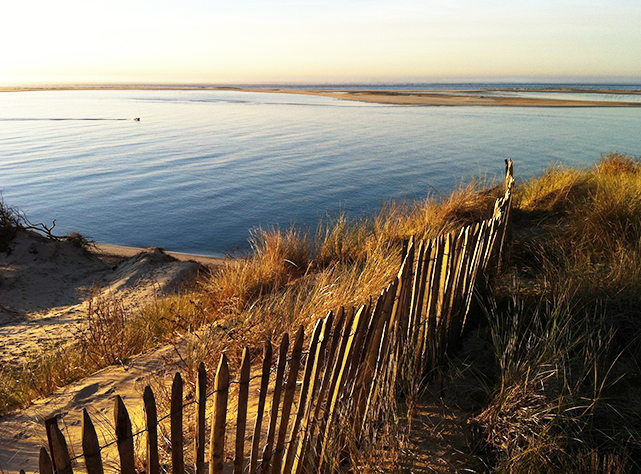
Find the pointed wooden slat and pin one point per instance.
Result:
(449, 290)
(372, 398)
(490, 248)
(201, 407)
(337, 364)
(219, 417)
(340, 382)
(475, 264)
(316, 352)
(151, 423)
(297, 456)
(421, 320)
(48, 422)
(288, 399)
(241, 417)
(124, 437)
(366, 377)
(404, 281)
(59, 450)
(431, 309)
(470, 274)
(386, 345)
(90, 445)
(278, 387)
(329, 363)
(331, 340)
(460, 260)
(462, 286)
(360, 333)
(370, 332)
(44, 462)
(400, 315)
(416, 289)
(264, 384)
(374, 323)
(176, 418)
(445, 286)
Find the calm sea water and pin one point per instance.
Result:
(202, 168)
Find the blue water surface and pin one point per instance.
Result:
(202, 168)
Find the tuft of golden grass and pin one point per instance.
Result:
(294, 277)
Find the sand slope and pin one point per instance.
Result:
(44, 288)
(44, 285)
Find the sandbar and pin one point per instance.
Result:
(440, 97)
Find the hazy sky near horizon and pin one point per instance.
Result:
(249, 41)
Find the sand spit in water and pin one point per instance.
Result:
(436, 97)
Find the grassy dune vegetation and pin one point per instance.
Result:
(289, 278)
(555, 365)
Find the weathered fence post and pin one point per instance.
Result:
(59, 449)
(176, 415)
(44, 462)
(273, 417)
(151, 416)
(219, 418)
(241, 419)
(201, 405)
(313, 355)
(124, 437)
(288, 399)
(90, 445)
(264, 384)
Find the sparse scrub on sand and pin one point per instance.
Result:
(9, 224)
(13, 219)
(109, 334)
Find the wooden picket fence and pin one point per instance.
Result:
(337, 389)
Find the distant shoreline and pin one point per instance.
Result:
(432, 97)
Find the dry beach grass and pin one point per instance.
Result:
(547, 382)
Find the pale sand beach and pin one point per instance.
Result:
(121, 251)
(436, 97)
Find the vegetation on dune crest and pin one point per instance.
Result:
(566, 328)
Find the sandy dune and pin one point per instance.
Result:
(45, 284)
(44, 287)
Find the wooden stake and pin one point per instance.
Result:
(124, 437)
(176, 415)
(90, 445)
(153, 464)
(201, 406)
(264, 384)
(221, 394)
(241, 420)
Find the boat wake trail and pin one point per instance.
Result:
(137, 119)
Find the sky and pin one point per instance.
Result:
(341, 41)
